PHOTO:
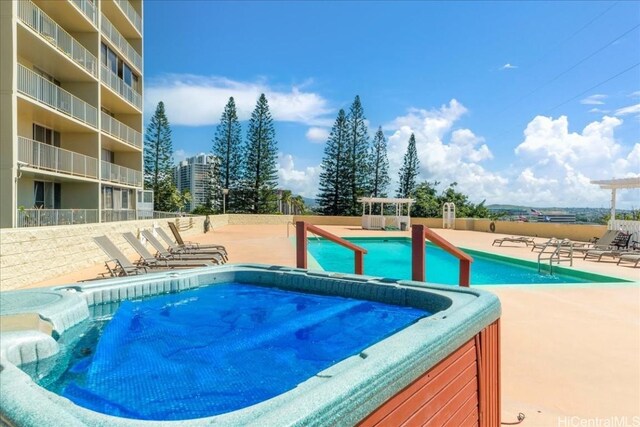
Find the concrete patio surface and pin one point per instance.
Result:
(570, 353)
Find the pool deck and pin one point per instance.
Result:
(567, 350)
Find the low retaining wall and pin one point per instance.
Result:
(31, 255)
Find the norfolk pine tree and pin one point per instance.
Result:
(379, 166)
(158, 162)
(409, 170)
(333, 197)
(261, 174)
(358, 154)
(227, 146)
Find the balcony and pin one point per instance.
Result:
(131, 14)
(120, 131)
(121, 43)
(49, 217)
(118, 85)
(42, 90)
(33, 17)
(38, 155)
(121, 175)
(88, 9)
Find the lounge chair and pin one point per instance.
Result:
(541, 246)
(603, 243)
(123, 267)
(632, 257)
(599, 253)
(194, 245)
(148, 260)
(526, 240)
(174, 247)
(165, 254)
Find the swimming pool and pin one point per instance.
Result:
(391, 257)
(439, 344)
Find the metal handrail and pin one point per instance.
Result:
(118, 85)
(120, 42)
(303, 227)
(35, 18)
(120, 174)
(88, 9)
(418, 252)
(47, 157)
(131, 14)
(41, 89)
(119, 130)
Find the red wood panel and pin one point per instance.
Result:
(403, 397)
(461, 390)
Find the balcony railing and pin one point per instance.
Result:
(120, 174)
(112, 215)
(47, 217)
(131, 13)
(120, 42)
(88, 9)
(119, 86)
(32, 16)
(41, 89)
(120, 131)
(43, 156)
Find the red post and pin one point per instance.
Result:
(418, 250)
(465, 273)
(359, 267)
(301, 244)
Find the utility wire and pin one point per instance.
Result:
(572, 35)
(591, 55)
(595, 86)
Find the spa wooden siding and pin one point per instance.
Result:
(461, 390)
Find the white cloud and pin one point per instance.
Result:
(193, 100)
(180, 155)
(454, 161)
(508, 66)
(635, 94)
(631, 109)
(598, 110)
(558, 165)
(299, 181)
(316, 134)
(596, 99)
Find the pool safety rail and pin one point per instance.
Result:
(302, 228)
(418, 254)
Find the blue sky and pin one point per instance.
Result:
(497, 93)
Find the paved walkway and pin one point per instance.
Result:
(567, 350)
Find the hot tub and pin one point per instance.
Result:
(442, 368)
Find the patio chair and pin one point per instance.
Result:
(599, 253)
(123, 267)
(541, 246)
(165, 254)
(174, 247)
(631, 257)
(526, 240)
(602, 243)
(183, 244)
(148, 260)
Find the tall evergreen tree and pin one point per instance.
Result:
(227, 146)
(335, 182)
(261, 173)
(213, 189)
(158, 162)
(409, 170)
(378, 166)
(358, 154)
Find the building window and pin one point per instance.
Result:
(107, 198)
(125, 199)
(118, 67)
(46, 135)
(108, 156)
(46, 195)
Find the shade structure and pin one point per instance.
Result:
(401, 218)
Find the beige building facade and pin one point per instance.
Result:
(71, 116)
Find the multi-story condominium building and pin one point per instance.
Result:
(192, 174)
(71, 111)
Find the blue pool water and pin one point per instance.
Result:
(216, 349)
(392, 258)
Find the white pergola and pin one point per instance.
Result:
(620, 184)
(379, 221)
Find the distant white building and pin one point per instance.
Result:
(192, 174)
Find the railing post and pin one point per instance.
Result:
(359, 262)
(301, 244)
(465, 273)
(418, 250)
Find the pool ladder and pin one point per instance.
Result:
(562, 251)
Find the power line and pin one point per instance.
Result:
(556, 77)
(576, 32)
(596, 86)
